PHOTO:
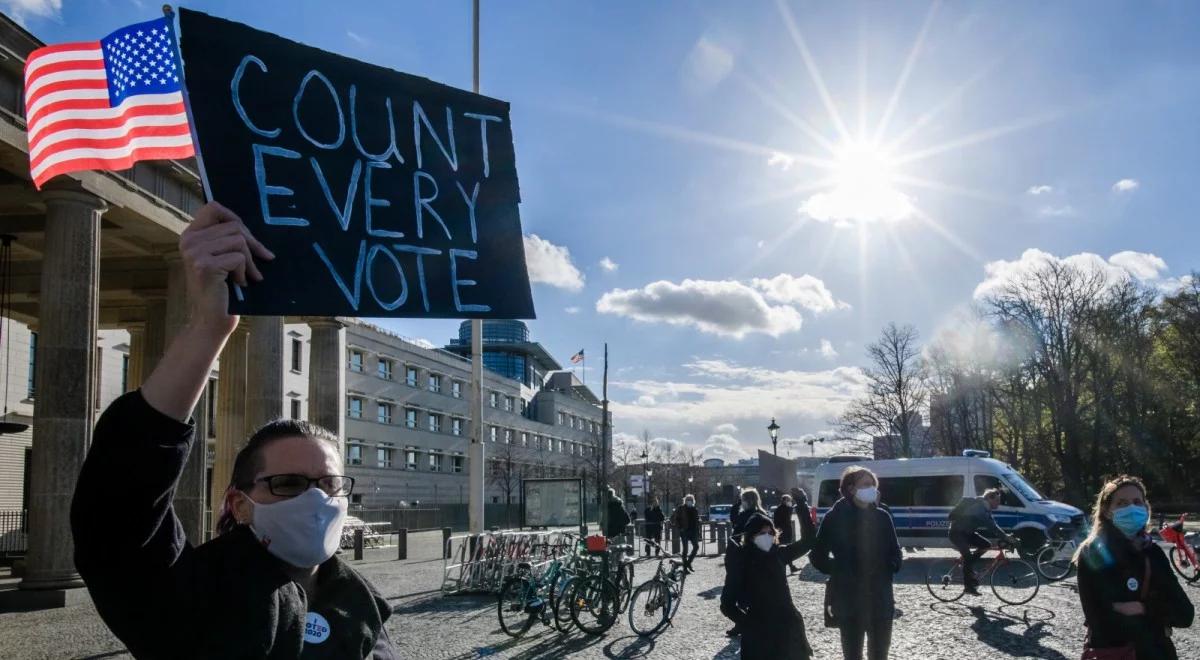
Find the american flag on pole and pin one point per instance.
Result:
(578, 357)
(104, 105)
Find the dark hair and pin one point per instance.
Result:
(850, 475)
(249, 461)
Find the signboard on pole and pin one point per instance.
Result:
(552, 502)
(636, 486)
(382, 194)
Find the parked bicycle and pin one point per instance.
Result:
(1013, 580)
(596, 596)
(1182, 552)
(526, 596)
(654, 603)
(1055, 560)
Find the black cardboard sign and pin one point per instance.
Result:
(381, 193)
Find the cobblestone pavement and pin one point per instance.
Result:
(428, 626)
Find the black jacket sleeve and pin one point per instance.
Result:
(894, 556)
(127, 537)
(734, 585)
(822, 549)
(1171, 605)
(808, 536)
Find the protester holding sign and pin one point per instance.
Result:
(270, 585)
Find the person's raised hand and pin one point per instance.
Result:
(215, 247)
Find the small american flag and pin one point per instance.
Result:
(104, 105)
(578, 357)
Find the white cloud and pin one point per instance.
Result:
(726, 428)
(646, 400)
(705, 66)
(1040, 190)
(551, 264)
(845, 205)
(725, 447)
(1142, 266)
(827, 350)
(727, 308)
(781, 160)
(1062, 211)
(20, 10)
(806, 291)
(358, 38)
(609, 264)
(1126, 185)
(571, 310)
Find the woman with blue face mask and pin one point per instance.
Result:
(1130, 596)
(269, 585)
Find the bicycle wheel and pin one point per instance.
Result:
(1054, 563)
(594, 606)
(513, 607)
(562, 605)
(1015, 582)
(944, 579)
(624, 585)
(1186, 568)
(649, 607)
(677, 594)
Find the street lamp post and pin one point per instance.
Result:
(645, 475)
(773, 429)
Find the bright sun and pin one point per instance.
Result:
(863, 188)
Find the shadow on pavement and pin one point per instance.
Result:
(709, 594)
(443, 604)
(732, 650)
(1026, 613)
(994, 631)
(630, 646)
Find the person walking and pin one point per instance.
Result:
(756, 596)
(971, 516)
(654, 523)
(1131, 598)
(750, 503)
(686, 521)
(269, 585)
(856, 546)
(617, 520)
(782, 519)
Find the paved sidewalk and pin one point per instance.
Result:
(427, 625)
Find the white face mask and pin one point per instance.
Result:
(690, 502)
(304, 531)
(764, 542)
(867, 495)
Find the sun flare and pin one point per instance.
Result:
(863, 188)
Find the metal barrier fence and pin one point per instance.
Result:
(14, 532)
(480, 564)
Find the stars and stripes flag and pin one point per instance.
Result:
(104, 105)
(578, 357)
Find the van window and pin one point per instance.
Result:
(945, 490)
(986, 481)
(828, 493)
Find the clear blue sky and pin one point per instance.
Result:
(691, 144)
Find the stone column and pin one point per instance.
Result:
(327, 376)
(137, 356)
(189, 493)
(65, 408)
(231, 414)
(154, 336)
(264, 371)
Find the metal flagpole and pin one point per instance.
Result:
(475, 458)
(605, 452)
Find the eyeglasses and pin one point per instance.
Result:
(291, 485)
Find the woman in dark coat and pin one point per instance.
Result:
(654, 525)
(269, 585)
(856, 546)
(1120, 609)
(756, 594)
(783, 522)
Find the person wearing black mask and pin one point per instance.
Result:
(856, 546)
(686, 521)
(654, 523)
(1131, 598)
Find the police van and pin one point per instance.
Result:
(920, 493)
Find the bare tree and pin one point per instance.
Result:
(896, 390)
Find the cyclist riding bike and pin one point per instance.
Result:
(972, 516)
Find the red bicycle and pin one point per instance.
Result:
(1183, 554)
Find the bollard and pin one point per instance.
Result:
(358, 544)
(445, 542)
(674, 541)
(402, 544)
(722, 538)
(583, 531)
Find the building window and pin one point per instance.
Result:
(435, 423)
(508, 435)
(410, 376)
(297, 355)
(295, 403)
(410, 418)
(383, 454)
(385, 413)
(435, 462)
(456, 426)
(493, 399)
(32, 389)
(562, 419)
(456, 463)
(524, 439)
(435, 383)
(210, 404)
(385, 368)
(537, 441)
(356, 360)
(508, 403)
(410, 458)
(125, 373)
(456, 389)
(354, 454)
(492, 433)
(355, 407)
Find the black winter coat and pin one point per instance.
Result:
(654, 520)
(618, 519)
(783, 522)
(228, 598)
(739, 520)
(757, 598)
(857, 548)
(1111, 569)
(686, 520)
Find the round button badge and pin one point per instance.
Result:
(1132, 584)
(316, 628)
